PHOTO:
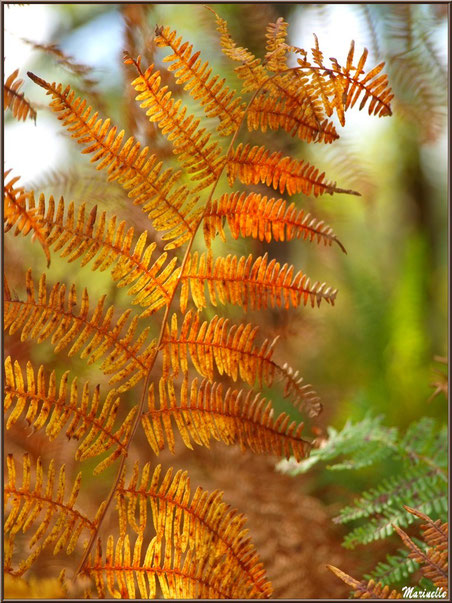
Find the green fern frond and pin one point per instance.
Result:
(396, 568)
(362, 443)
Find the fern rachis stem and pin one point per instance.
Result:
(139, 414)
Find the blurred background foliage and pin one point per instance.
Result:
(374, 351)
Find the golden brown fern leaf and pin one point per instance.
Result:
(267, 112)
(84, 73)
(209, 526)
(255, 165)
(129, 571)
(366, 590)
(91, 236)
(435, 533)
(293, 109)
(199, 155)
(53, 315)
(51, 405)
(249, 283)
(19, 211)
(232, 350)
(204, 412)
(434, 560)
(20, 107)
(251, 71)
(216, 99)
(341, 87)
(276, 47)
(55, 519)
(172, 210)
(253, 215)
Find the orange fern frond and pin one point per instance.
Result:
(50, 405)
(208, 523)
(55, 519)
(435, 533)
(252, 215)
(19, 211)
(251, 71)
(94, 237)
(372, 86)
(53, 315)
(202, 158)
(255, 165)
(232, 351)
(340, 89)
(366, 590)
(434, 561)
(299, 94)
(20, 107)
(217, 99)
(276, 47)
(204, 413)
(196, 575)
(247, 283)
(170, 209)
(267, 112)
(83, 72)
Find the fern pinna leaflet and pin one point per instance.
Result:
(189, 546)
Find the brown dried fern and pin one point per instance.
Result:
(52, 315)
(20, 107)
(50, 405)
(55, 519)
(92, 236)
(208, 524)
(255, 165)
(433, 560)
(138, 172)
(249, 283)
(201, 157)
(204, 413)
(233, 352)
(19, 211)
(252, 215)
(198, 547)
(216, 99)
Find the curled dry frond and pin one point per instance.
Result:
(204, 412)
(252, 215)
(232, 350)
(341, 87)
(434, 560)
(198, 154)
(170, 209)
(435, 533)
(249, 283)
(294, 109)
(19, 211)
(91, 236)
(216, 99)
(255, 165)
(20, 107)
(54, 516)
(53, 315)
(276, 47)
(51, 405)
(201, 525)
(366, 590)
